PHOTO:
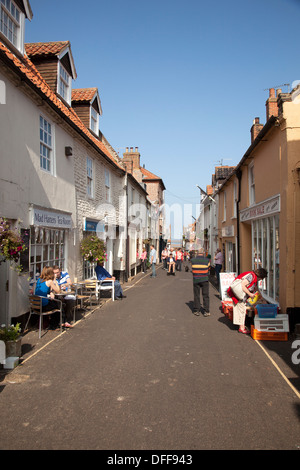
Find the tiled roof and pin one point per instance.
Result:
(84, 94)
(147, 175)
(30, 72)
(45, 48)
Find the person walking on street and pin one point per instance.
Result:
(179, 259)
(164, 256)
(152, 259)
(218, 259)
(143, 259)
(200, 270)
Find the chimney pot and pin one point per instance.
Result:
(272, 92)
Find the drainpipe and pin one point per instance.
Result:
(239, 177)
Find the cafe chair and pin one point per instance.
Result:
(91, 289)
(36, 308)
(107, 285)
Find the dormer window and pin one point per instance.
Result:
(94, 120)
(86, 103)
(55, 63)
(64, 84)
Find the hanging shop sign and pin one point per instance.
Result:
(45, 218)
(94, 226)
(266, 208)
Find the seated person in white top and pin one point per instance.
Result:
(65, 283)
(171, 264)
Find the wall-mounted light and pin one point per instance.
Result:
(68, 151)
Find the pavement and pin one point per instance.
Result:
(145, 373)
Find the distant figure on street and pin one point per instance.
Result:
(152, 259)
(200, 270)
(218, 259)
(143, 259)
(171, 265)
(179, 259)
(164, 256)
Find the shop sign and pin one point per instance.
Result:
(226, 279)
(269, 207)
(45, 218)
(94, 226)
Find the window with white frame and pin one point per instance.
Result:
(224, 206)
(47, 248)
(46, 145)
(11, 23)
(89, 176)
(251, 185)
(64, 83)
(107, 185)
(234, 199)
(94, 120)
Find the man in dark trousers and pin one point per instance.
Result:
(200, 270)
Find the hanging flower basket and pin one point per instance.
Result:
(93, 249)
(11, 243)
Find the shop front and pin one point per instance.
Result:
(264, 221)
(50, 233)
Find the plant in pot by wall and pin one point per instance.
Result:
(11, 244)
(93, 249)
(11, 336)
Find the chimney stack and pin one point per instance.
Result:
(131, 159)
(255, 129)
(271, 104)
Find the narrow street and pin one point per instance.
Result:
(144, 373)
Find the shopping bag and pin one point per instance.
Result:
(236, 288)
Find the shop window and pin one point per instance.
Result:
(265, 243)
(47, 248)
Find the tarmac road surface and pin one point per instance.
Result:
(144, 373)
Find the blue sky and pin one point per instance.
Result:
(182, 81)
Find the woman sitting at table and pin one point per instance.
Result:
(47, 286)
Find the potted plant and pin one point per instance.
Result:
(93, 249)
(11, 336)
(11, 244)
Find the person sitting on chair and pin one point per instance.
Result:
(65, 283)
(46, 286)
(103, 275)
(171, 265)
